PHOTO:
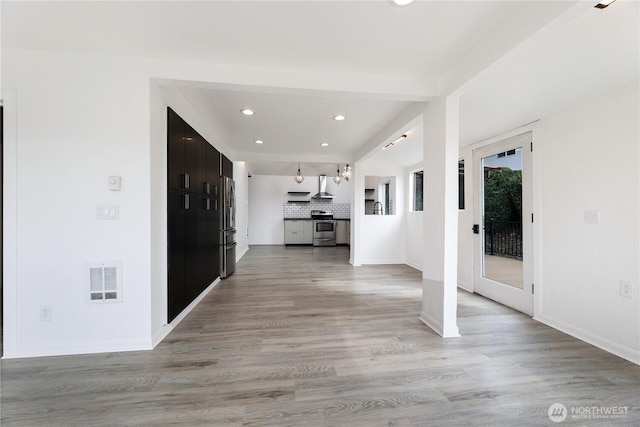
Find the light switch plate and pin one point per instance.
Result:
(115, 183)
(626, 288)
(591, 217)
(107, 212)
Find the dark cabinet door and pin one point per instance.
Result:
(191, 139)
(175, 150)
(193, 198)
(212, 227)
(204, 186)
(203, 279)
(176, 252)
(182, 153)
(192, 264)
(213, 170)
(227, 167)
(211, 230)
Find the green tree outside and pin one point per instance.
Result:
(503, 195)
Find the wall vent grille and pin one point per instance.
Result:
(105, 281)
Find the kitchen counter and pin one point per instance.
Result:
(299, 231)
(309, 218)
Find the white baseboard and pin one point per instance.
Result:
(166, 329)
(465, 286)
(382, 261)
(628, 353)
(412, 265)
(431, 323)
(241, 254)
(67, 349)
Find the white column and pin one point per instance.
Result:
(439, 276)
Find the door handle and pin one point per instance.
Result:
(186, 202)
(476, 228)
(185, 181)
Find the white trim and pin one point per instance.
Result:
(432, 323)
(465, 286)
(605, 344)
(412, 265)
(382, 261)
(411, 198)
(533, 248)
(437, 326)
(10, 222)
(166, 329)
(241, 254)
(67, 349)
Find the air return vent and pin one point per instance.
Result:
(105, 281)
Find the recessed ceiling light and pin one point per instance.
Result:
(258, 141)
(339, 118)
(325, 144)
(247, 112)
(402, 2)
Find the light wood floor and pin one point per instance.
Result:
(298, 337)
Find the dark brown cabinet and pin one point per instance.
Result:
(193, 175)
(226, 166)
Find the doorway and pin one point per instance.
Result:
(503, 246)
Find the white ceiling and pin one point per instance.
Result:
(588, 53)
(355, 36)
(374, 43)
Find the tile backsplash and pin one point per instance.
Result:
(303, 210)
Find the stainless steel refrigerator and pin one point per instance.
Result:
(227, 227)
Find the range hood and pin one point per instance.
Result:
(322, 194)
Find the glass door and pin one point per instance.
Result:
(503, 245)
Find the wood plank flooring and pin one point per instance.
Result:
(298, 337)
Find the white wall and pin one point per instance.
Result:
(268, 193)
(75, 120)
(77, 123)
(381, 239)
(589, 161)
(241, 178)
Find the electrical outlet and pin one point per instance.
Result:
(591, 217)
(46, 313)
(626, 288)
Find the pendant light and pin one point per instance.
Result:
(299, 178)
(337, 179)
(346, 174)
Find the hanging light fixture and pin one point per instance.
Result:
(337, 179)
(299, 178)
(346, 174)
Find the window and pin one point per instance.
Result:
(417, 180)
(461, 184)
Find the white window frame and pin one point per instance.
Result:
(412, 193)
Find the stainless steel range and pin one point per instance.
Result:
(324, 228)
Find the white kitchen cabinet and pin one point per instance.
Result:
(307, 232)
(343, 232)
(298, 232)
